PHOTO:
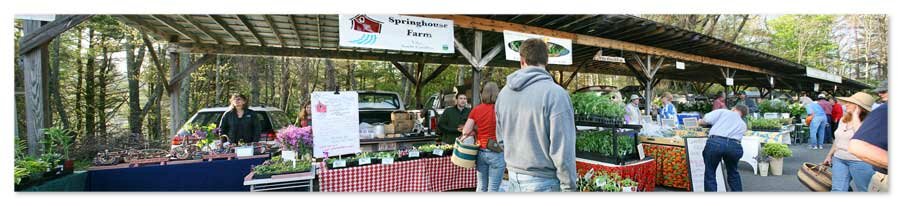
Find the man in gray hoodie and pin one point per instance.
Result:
(535, 122)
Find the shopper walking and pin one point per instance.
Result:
(535, 123)
(845, 166)
(727, 129)
(828, 111)
(490, 160)
(453, 118)
(818, 125)
(870, 142)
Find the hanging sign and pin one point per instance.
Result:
(396, 32)
(337, 130)
(729, 81)
(680, 65)
(36, 17)
(820, 74)
(771, 79)
(817, 87)
(560, 51)
(599, 57)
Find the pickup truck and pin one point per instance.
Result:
(376, 107)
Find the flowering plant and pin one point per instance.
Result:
(295, 138)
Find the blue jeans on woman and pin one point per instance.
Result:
(817, 130)
(729, 151)
(489, 170)
(859, 171)
(527, 183)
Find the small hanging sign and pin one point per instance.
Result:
(680, 65)
(729, 81)
(599, 57)
(771, 81)
(817, 87)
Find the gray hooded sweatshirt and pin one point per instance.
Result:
(535, 122)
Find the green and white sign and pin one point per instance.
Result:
(560, 51)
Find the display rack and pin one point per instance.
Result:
(617, 130)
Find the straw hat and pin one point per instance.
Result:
(861, 99)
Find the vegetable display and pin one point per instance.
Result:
(593, 181)
(278, 166)
(761, 124)
(775, 106)
(617, 148)
(588, 103)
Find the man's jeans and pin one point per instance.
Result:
(817, 130)
(722, 149)
(526, 183)
(859, 171)
(489, 170)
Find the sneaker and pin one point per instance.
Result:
(812, 147)
(820, 147)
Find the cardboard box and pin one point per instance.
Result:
(402, 126)
(395, 116)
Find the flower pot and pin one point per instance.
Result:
(776, 166)
(69, 165)
(763, 168)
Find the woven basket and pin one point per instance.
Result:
(817, 178)
(464, 154)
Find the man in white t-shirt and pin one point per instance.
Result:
(724, 144)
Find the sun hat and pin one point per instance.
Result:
(634, 97)
(861, 99)
(821, 96)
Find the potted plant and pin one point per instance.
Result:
(628, 185)
(763, 164)
(294, 141)
(777, 152)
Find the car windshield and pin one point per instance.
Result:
(205, 118)
(378, 101)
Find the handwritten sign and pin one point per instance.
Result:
(363, 161)
(388, 161)
(694, 149)
(438, 152)
(690, 122)
(337, 130)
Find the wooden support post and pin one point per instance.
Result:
(44, 34)
(35, 64)
(477, 69)
(174, 93)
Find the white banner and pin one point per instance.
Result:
(336, 130)
(818, 74)
(396, 32)
(560, 51)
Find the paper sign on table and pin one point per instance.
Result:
(413, 154)
(438, 152)
(339, 163)
(388, 161)
(363, 161)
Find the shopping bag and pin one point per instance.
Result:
(808, 120)
(815, 177)
(464, 154)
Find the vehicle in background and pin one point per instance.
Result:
(377, 106)
(271, 119)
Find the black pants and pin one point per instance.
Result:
(828, 138)
(729, 151)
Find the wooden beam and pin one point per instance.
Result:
(491, 55)
(222, 24)
(319, 31)
(177, 79)
(275, 30)
(441, 68)
(315, 53)
(404, 72)
(46, 33)
(175, 27)
(294, 28)
(466, 53)
(574, 73)
(250, 27)
(135, 21)
(201, 28)
(499, 26)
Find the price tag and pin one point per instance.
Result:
(413, 154)
(339, 163)
(641, 151)
(363, 161)
(388, 161)
(438, 152)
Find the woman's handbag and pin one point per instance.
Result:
(817, 178)
(464, 154)
(808, 120)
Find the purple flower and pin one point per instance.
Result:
(291, 136)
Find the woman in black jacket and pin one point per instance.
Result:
(239, 123)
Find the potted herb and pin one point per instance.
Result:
(628, 185)
(763, 164)
(777, 152)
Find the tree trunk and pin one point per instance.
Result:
(185, 88)
(57, 101)
(285, 85)
(133, 69)
(102, 97)
(78, 85)
(331, 84)
(251, 66)
(739, 28)
(89, 92)
(218, 82)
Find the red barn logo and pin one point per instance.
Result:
(363, 23)
(320, 107)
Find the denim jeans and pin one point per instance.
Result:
(817, 130)
(858, 171)
(489, 170)
(526, 183)
(721, 149)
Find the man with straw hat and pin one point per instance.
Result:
(845, 166)
(632, 110)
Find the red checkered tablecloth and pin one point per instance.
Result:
(422, 175)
